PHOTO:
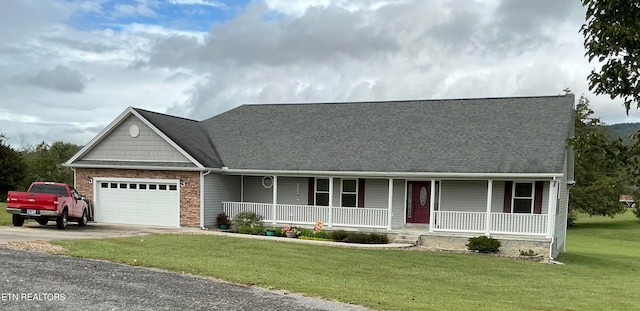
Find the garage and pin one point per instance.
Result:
(151, 202)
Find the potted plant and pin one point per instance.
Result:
(291, 232)
(223, 221)
(270, 231)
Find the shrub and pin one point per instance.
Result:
(339, 236)
(377, 238)
(248, 222)
(636, 210)
(483, 244)
(572, 216)
(223, 219)
(315, 234)
(359, 237)
(529, 253)
(251, 230)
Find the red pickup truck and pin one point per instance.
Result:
(46, 201)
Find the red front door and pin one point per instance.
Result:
(419, 200)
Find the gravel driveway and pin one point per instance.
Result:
(34, 280)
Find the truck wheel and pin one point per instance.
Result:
(42, 221)
(18, 220)
(83, 220)
(61, 222)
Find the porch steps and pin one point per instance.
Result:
(408, 238)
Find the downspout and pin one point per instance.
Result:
(553, 236)
(202, 175)
(74, 177)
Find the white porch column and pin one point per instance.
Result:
(489, 196)
(390, 204)
(330, 201)
(551, 212)
(275, 197)
(431, 205)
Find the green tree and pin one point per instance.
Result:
(12, 169)
(599, 166)
(45, 161)
(612, 35)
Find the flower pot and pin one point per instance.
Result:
(224, 227)
(291, 235)
(271, 233)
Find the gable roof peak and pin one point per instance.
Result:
(140, 110)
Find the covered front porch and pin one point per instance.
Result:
(482, 207)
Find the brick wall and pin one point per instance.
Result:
(189, 194)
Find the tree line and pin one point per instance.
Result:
(44, 162)
(611, 37)
(605, 167)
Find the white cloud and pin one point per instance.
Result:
(300, 7)
(211, 3)
(276, 51)
(140, 8)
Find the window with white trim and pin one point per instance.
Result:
(349, 193)
(322, 192)
(522, 198)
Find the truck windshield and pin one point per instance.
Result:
(53, 189)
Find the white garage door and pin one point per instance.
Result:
(139, 202)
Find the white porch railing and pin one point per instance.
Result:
(307, 214)
(460, 221)
(501, 223)
(534, 224)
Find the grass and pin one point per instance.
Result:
(5, 218)
(601, 271)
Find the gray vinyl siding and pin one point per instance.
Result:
(397, 204)
(337, 183)
(148, 146)
(463, 195)
(217, 189)
(292, 190)
(497, 197)
(255, 192)
(376, 193)
(545, 197)
(560, 232)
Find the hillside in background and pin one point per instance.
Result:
(623, 130)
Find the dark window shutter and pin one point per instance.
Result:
(312, 190)
(361, 192)
(507, 196)
(537, 200)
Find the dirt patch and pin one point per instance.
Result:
(38, 246)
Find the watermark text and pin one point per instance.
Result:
(32, 297)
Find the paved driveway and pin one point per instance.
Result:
(32, 231)
(32, 280)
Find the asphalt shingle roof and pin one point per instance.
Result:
(495, 135)
(186, 133)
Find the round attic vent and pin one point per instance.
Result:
(134, 131)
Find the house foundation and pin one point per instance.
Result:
(509, 246)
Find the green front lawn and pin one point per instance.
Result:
(601, 271)
(5, 218)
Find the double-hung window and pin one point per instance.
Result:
(349, 194)
(522, 198)
(322, 192)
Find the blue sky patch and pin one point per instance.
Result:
(186, 15)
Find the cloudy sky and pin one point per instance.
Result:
(69, 67)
